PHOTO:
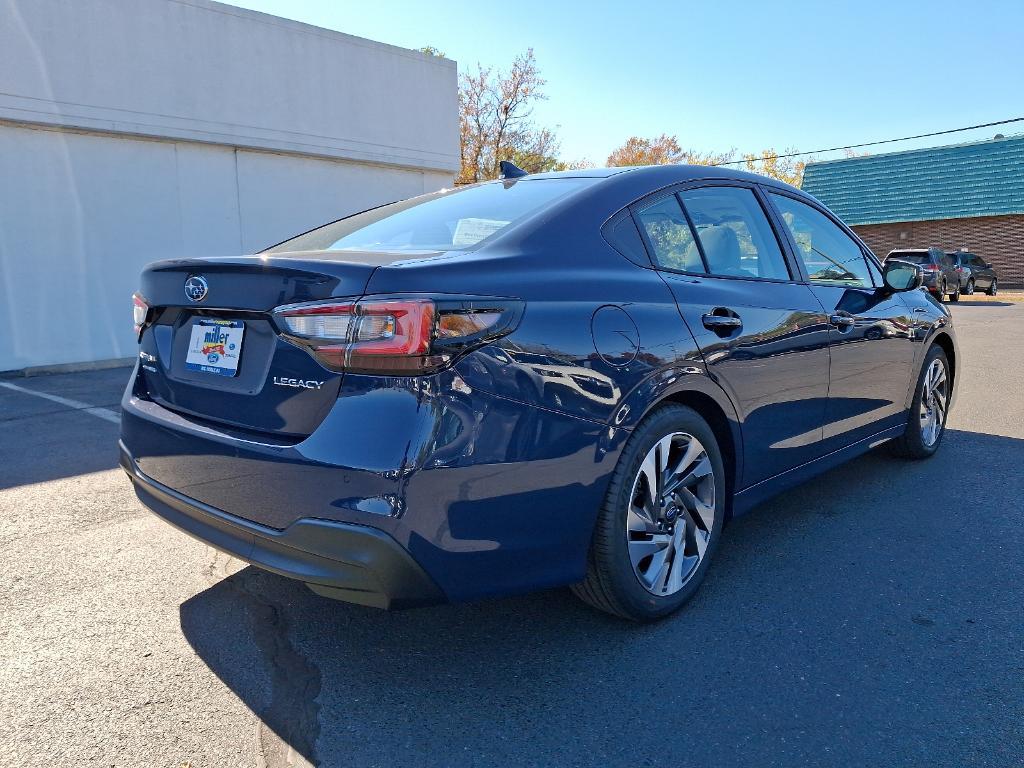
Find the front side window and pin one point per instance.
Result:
(830, 256)
(734, 233)
(450, 220)
(670, 236)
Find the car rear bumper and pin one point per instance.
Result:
(350, 562)
(488, 496)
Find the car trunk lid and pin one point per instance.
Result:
(211, 349)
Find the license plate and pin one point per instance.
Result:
(215, 346)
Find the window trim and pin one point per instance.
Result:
(675, 190)
(810, 202)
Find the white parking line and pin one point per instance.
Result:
(101, 413)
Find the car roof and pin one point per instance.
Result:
(663, 173)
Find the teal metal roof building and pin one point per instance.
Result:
(982, 178)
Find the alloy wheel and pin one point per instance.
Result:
(970, 288)
(671, 513)
(934, 402)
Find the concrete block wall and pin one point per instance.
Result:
(151, 129)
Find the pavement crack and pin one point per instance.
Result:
(289, 725)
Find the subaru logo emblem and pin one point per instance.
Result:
(196, 288)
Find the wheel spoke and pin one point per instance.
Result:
(656, 545)
(659, 569)
(704, 513)
(681, 563)
(700, 470)
(693, 450)
(662, 450)
(639, 520)
(698, 538)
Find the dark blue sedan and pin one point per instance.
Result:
(556, 379)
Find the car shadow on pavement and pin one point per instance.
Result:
(880, 565)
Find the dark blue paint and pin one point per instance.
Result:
(490, 473)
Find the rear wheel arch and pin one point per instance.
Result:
(944, 341)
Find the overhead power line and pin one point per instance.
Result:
(875, 143)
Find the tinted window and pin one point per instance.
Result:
(443, 221)
(913, 258)
(623, 235)
(670, 236)
(829, 254)
(734, 232)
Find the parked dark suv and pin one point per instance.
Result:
(938, 269)
(975, 273)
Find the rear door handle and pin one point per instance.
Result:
(842, 321)
(721, 322)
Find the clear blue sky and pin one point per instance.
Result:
(721, 75)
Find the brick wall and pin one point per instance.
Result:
(999, 240)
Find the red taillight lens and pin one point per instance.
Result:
(400, 336)
(140, 313)
(931, 267)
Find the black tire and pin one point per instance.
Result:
(611, 585)
(992, 289)
(955, 296)
(970, 287)
(911, 444)
(942, 291)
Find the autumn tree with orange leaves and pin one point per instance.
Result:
(661, 150)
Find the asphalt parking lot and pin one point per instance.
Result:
(872, 617)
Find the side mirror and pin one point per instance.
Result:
(901, 276)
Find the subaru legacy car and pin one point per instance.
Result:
(556, 379)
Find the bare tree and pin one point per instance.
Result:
(495, 111)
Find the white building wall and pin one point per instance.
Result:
(136, 130)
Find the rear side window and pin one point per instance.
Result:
(623, 235)
(734, 233)
(670, 236)
(443, 221)
(830, 255)
(913, 258)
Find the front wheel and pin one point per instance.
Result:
(970, 287)
(926, 423)
(955, 296)
(993, 289)
(661, 519)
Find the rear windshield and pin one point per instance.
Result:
(443, 221)
(913, 258)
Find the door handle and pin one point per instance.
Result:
(842, 321)
(721, 322)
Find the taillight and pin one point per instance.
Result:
(400, 335)
(140, 313)
(931, 267)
